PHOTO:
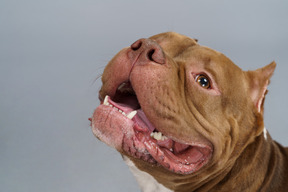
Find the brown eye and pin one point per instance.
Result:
(203, 81)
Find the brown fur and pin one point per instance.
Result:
(231, 118)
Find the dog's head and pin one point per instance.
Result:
(177, 108)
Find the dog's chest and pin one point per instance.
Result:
(146, 182)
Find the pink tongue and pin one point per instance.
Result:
(192, 155)
(184, 154)
(142, 120)
(178, 147)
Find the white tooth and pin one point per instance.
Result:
(123, 113)
(110, 105)
(105, 102)
(120, 111)
(132, 114)
(158, 136)
(164, 137)
(121, 86)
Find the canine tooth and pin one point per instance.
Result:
(132, 114)
(121, 86)
(105, 102)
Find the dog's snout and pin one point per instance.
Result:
(151, 50)
(136, 45)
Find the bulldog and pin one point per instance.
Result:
(186, 118)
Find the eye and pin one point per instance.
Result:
(203, 81)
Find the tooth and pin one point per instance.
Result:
(164, 137)
(121, 86)
(157, 136)
(132, 114)
(160, 136)
(105, 102)
(154, 135)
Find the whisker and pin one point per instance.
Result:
(98, 76)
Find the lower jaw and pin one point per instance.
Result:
(136, 142)
(156, 155)
(134, 148)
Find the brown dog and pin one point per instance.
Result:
(190, 118)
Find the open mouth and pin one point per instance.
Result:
(146, 142)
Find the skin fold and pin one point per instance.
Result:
(199, 100)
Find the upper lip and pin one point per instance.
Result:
(126, 86)
(123, 97)
(163, 149)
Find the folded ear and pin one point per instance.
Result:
(258, 82)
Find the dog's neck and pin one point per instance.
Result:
(254, 168)
(261, 167)
(257, 168)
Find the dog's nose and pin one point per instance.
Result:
(151, 50)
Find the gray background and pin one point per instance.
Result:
(51, 53)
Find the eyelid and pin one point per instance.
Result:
(195, 75)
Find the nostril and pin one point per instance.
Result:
(151, 51)
(150, 54)
(156, 55)
(136, 45)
